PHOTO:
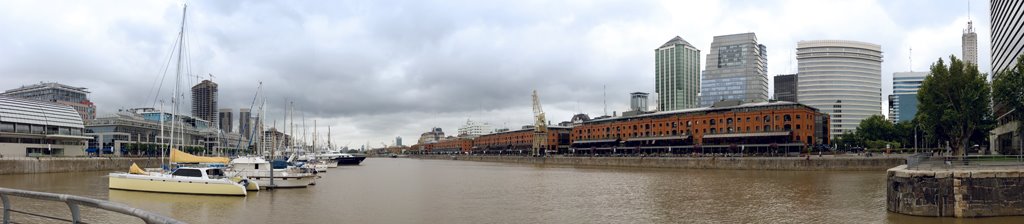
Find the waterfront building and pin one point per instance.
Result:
(204, 101)
(398, 140)
(903, 101)
(1007, 26)
(31, 128)
(727, 126)
(786, 87)
(521, 141)
(245, 121)
(736, 69)
(225, 116)
(76, 97)
(473, 129)
(677, 75)
(274, 139)
(842, 78)
(137, 132)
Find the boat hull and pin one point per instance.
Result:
(151, 183)
(349, 161)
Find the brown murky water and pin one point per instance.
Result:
(386, 190)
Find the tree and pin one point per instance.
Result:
(1008, 90)
(876, 127)
(953, 103)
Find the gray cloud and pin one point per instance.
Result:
(377, 69)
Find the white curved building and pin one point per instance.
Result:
(842, 78)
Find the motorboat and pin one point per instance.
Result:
(261, 171)
(183, 180)
(343, 159)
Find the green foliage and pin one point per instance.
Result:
(876, 127)
(1008, 90)
(953, 103)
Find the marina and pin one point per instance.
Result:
(403, 190)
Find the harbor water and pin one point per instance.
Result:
(403, 190)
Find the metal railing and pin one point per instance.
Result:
(73, 203)
(930, 160)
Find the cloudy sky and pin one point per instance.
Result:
(373, 70)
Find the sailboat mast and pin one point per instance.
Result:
(177, 79)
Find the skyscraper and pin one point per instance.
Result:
(842, 78)
(736, 69)
(903, 101)
(970, 44)
(204, 101)
(225, 117)
(677, 75)
(638, 101)
(785, 87)
(76, 97)
(398, 141)
(244, 122)
(1007, 26)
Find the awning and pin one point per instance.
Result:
(678, 137)
(594, 141)
(740, 135)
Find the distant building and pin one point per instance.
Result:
(244, 122)
(842, 78)
(638, 101)
(472, 129)
(398, 141)
(677, 75)
(637, 105)
(434, 135)
(204, 101)
(30, 128)
(785, 87)
(903, 101)
(226, 117)
(1007, 28)
(273, 139)
(970, 44)
(736, 69)
(76, 97)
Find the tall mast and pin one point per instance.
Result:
(177, 78)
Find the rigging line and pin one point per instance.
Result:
(163, 77)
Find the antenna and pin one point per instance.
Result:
(968, 11)
(605, 99)
(910, 57)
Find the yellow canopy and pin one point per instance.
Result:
(135, 169)
(178, 156)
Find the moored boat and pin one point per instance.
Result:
(184, 180)
(258, 170)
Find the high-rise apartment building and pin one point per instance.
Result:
(969, 42)
(903, 101)
(677, 75)
(398, 140)
(1007, 26)
(842, 78)
(76, 97)
(244, 122)
(736, 69)
(785, 87)
(226, 117)
(204, 101)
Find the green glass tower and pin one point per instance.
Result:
(677, 75)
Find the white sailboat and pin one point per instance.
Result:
(183, 180)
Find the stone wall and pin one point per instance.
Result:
(735, 163)
(956, 193)
(25, 165)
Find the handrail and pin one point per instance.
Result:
(74, 201)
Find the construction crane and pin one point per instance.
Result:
(540, 127)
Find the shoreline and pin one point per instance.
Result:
(881, 163)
